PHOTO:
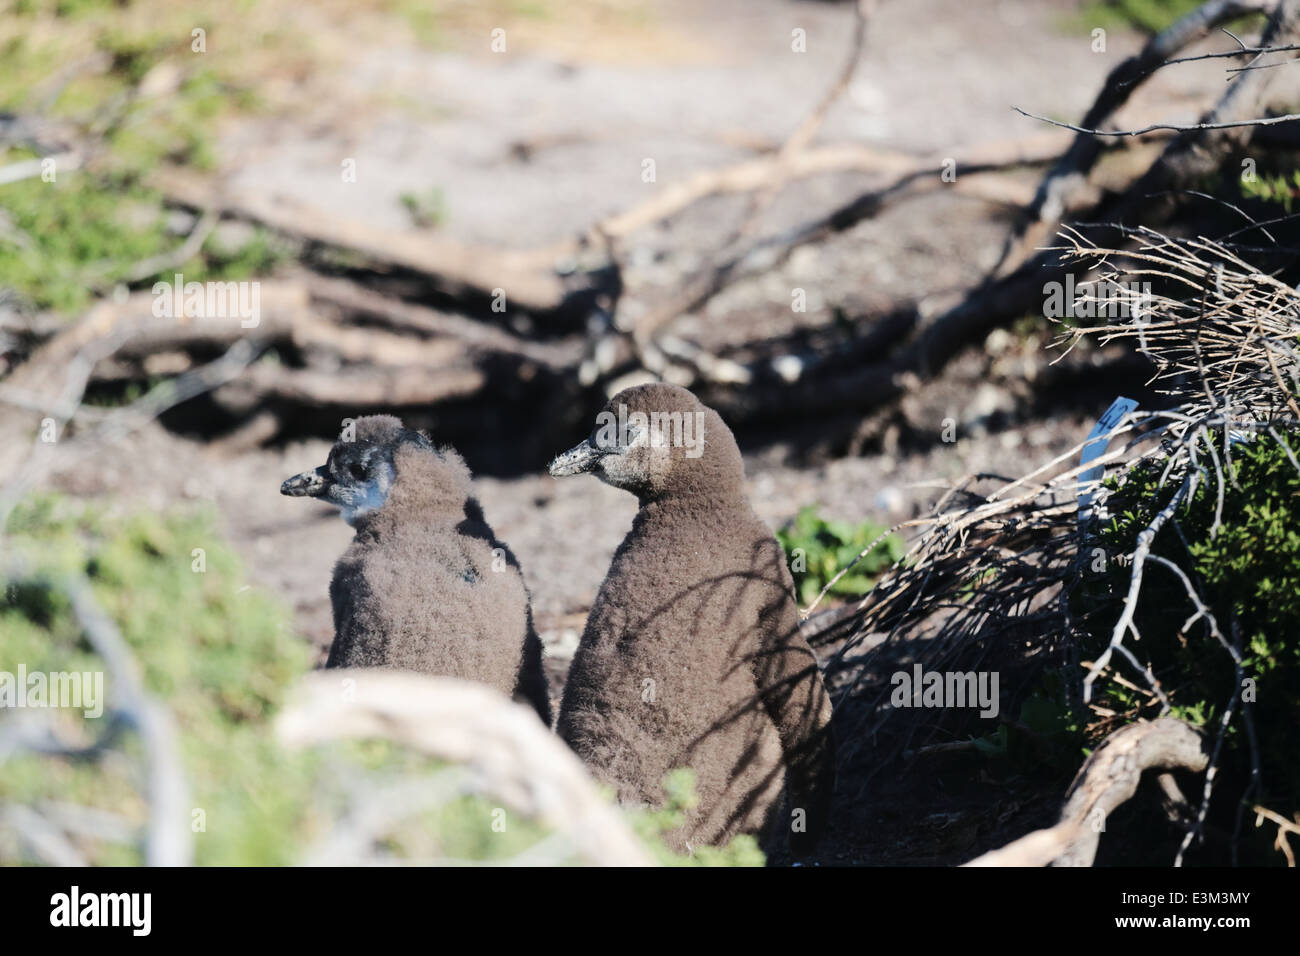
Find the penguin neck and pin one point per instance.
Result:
(707, 485)
(412, 504)
(712, 500)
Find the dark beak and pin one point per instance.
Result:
(310, 484)
(576, 460)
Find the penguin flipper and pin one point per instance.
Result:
(794, 696)
(531, 688)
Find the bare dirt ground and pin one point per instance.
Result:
(536, 145)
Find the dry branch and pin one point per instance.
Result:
(1199, 151)
(168, 839)
(1285, 829)
(1107, 779)
(908, 179)
(527, 277)
(940, 337)
(1069, 175)
(409, 317)
(361, 387)
(28, 462)
(509, 753)
(356, 346)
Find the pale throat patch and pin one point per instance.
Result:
(369, 498)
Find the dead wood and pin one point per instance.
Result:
(527, 278)
(338, 328)
(507, 752)
(1107, 779)
(937, 338)
(1069, 175)
(1197, 153)
(402, 354)
(409, 317)
(908, 178)
(366, 386)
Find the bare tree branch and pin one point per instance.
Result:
(501, 744)
(1107, 779)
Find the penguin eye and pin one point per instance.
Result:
(358, 471)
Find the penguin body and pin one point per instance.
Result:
(692, 656)
(425, 585)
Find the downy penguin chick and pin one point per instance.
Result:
(692, 655)
(425, 585)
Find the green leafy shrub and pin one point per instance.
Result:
(1248, 568)
(1149, 16)
(652, 825)
(1279, 189)
(819, 549)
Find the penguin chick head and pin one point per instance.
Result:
(656, 440)
(366, 463)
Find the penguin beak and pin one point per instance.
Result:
(578, 459)
(310, 484)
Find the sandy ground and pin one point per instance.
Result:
(691, 85)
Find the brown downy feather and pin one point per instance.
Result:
(692, 655)
(425, 584)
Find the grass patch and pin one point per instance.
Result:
(427, 209)
(137, 84)
(1147, 16)
(818, 549)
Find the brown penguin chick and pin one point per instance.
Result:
(425, 584)
(692, 655)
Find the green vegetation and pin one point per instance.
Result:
(651, 825)
(142, 97)
(1248, 567)
(1248, 571)
(1150, 16)
(429, 23)
(80, 235)
(422, 20)
(427, 209)
(221, 656)
(819, 549)
(1280, 189)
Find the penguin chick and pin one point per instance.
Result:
(425, 585)
(692, 655)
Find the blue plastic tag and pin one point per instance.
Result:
(1098, 440)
